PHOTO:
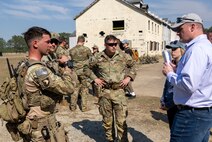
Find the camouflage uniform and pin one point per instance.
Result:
(42, 88)
(61, 51)
(49, 57)
(112, 100)
(80, 55)
(51, 61)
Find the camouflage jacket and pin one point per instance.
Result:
(51, 62)
(80, 55)
(43, 87)
(110, 69)
(61, 51)
(49, 57)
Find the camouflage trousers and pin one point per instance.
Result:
(46, 129)
(82, 92)
(129, 88)
(113, 108)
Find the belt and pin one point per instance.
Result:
(114, 86)
(184, 107)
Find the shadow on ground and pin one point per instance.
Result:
(159, 116)
(95, 131)
(138, 136)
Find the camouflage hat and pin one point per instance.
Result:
(55, 36)
(95, 47)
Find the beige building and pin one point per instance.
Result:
(126, 19)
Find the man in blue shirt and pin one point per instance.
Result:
(192, 81)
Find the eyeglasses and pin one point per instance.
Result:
(112, 44)
(180, 19)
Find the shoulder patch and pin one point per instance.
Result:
(42, 77)
(41, 72)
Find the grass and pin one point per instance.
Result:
(13, 59)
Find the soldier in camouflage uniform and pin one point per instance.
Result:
(111, 80)
(62, 48)
(42, 87)
(51, 59)
(80, 55)
(61, 51)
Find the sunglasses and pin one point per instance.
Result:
(180, 19)
(112, 44)
(55, 41)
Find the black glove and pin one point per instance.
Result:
(70, 64)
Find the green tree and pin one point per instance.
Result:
(17, 43)
(65, 35)
(208, 30)
(2, 43)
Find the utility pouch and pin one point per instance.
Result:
(45, 133)
(34, 122)
(12, 129)
(97, 90)
(60, 134)
(25, 127)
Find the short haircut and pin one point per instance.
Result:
(81, 38)
(110, 37)
(34, 32)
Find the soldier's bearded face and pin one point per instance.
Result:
(111, 46)
(44, 44)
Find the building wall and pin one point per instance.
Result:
(138, 27)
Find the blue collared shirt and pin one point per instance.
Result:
(193, 79)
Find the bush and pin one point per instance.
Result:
(149, 59)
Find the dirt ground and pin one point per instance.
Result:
(146, 122)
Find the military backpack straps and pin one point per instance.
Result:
(13, 103)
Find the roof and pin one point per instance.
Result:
(134, 1)
(129, 4)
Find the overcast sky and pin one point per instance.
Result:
(57, 15)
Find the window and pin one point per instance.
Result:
(151, 46)
(155, 28)
(118, 25)
(155, 46)
(158, 29)
(148, 25)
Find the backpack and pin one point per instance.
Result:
(14, 105)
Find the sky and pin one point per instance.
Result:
(58, 15)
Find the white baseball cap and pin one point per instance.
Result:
(188, 18)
